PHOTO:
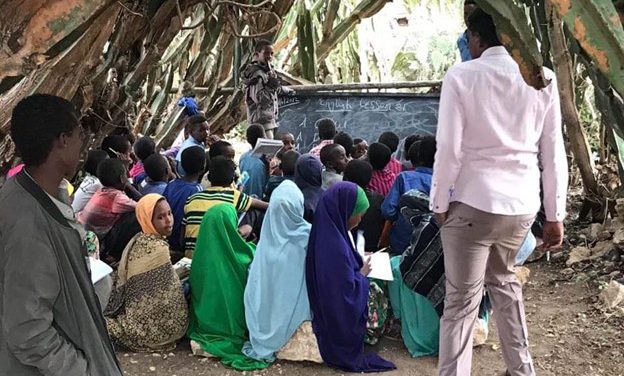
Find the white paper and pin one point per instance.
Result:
(266, 146)
(380, 266)
(360, 243)
(183, 268)
(99, 270)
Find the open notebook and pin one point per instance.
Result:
(267, 146)
(380, 260)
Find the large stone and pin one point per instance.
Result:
(577, 255)
(614, 255)
(302, 346)
(604, 235)
(613, 295)
(619, 207)
(567, 272)
(615, 274)
(594, 230)
(601, 249)
(615, 224)
(523, 273)
(197, 350)
(618, 237)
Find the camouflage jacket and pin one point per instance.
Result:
(262, 87)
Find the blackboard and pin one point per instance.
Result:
(363, 115)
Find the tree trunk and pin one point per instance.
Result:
(30, 28)
(60, 76)
(565, 79)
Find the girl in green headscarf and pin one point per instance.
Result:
(218, 277)
(377, 298)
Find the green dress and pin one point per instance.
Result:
(420, 323)
(218, 276)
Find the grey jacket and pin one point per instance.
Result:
(50, 319)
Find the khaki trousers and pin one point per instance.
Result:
(480, 248)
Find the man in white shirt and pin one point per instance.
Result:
(492, 127)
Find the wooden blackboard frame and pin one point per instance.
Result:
(364, 94)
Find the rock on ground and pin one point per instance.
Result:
(613, 295)
(601, 249)
(578, 254)
(523, 273)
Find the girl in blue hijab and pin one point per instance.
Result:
(337, 289)
(276, 298)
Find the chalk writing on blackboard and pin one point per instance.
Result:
(362, 115)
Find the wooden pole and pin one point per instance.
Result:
(336, 87)
(562, 62)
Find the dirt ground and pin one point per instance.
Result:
(568, 334)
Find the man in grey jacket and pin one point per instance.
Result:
(50, 319)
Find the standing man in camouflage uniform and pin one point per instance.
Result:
(262, 86)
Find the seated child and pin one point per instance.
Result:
(337, 283)
(344, 139)
(90, 184)
(379, 157)
(421, 155)
(223, 148)
(334, 158)
(308, 177)
(287, 166)
(158, 170)
(118, 146)
(288, 142)
(360, 148)
(143, 148)
(179, 190)
(197, 129)
(326, 131)
(221, 176)
(391, 140)
(274, 166)
(254, 166)
(218, 148)
(409, 141)
(147, 290)
(360, 173)
(110, 202)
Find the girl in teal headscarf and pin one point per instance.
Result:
(276, 297)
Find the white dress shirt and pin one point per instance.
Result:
(491, 128)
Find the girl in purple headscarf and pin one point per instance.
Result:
(337, 288)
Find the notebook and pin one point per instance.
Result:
(268, 147)
(380, 260)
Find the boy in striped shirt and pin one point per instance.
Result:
(383, 176)
(221, 177)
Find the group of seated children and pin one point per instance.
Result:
(275, 271)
